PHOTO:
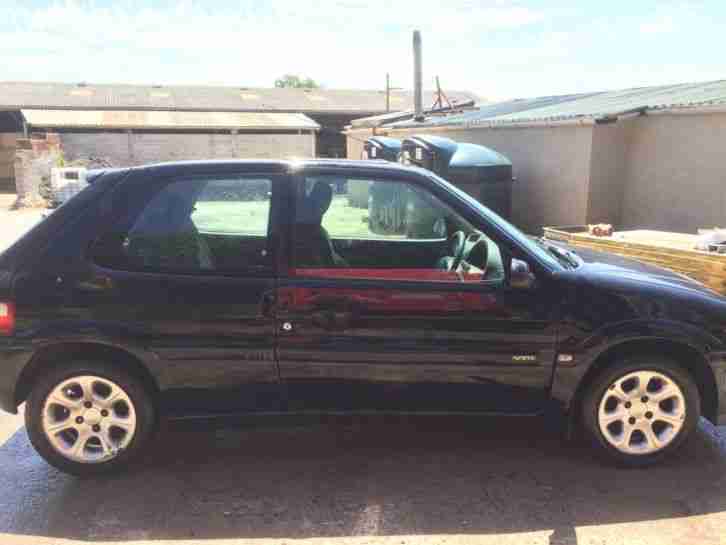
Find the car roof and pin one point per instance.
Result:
(271, 166)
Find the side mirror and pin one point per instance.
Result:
(521, 276)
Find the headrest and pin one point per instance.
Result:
(320, 197)
(316, 204)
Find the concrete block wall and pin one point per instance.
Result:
(7, 159)
(97, 150)
(130, 149)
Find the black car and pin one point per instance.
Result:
(209, 288)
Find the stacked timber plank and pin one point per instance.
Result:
(675, 251)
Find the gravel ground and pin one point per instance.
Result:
(362, 481)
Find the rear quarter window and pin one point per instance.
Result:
(34, 242)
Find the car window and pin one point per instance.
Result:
(195, 225)
(378, 228)
(234, 207)
(378, 209)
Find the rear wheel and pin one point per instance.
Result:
(640, 411)
(89, 418)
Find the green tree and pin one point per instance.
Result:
(297, 82)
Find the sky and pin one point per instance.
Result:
(496, 48)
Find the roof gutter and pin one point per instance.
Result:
(579, 122)
(690, 110)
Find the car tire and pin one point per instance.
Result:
(115, 429)
(636, 395)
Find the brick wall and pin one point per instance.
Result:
(34, 157)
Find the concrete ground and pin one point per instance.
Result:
(14, 223)
(367, 481)
(363, 481)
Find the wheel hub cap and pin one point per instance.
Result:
(92, 417)
(638, 411)
(642, 412)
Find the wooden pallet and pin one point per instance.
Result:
(673, 251)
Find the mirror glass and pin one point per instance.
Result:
(521, 275)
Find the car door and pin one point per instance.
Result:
(388, 328)
(186, 271)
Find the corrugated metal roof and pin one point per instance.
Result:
(585, 106)
(125, 119)
(391, 117)
(26, 95)
(485, 111)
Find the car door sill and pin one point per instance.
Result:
(262, 414)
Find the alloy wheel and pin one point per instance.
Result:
(642, 412)
(89, 419)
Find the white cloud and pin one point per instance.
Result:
(497, 48)
(660, 25)
(345, 44)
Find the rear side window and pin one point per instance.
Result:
(233, 207)
(196, 225)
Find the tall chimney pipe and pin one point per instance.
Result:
(417, 77)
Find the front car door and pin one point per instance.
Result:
(385, 322)
(187, 272)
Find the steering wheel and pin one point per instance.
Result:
(457, 244)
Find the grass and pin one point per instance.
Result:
(250, 218)
(345, 221)
(239, 218)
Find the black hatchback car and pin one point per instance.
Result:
(206, 288)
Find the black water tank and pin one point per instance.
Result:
(375, 147)
(483, 173)
(382, 147)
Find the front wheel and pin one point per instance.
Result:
(638, 412)
(89, 418)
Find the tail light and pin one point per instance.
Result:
(7, 318)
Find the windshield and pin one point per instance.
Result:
(541, 250)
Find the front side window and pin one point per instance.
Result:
(195, 225)
(385, 229)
